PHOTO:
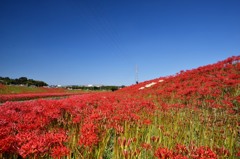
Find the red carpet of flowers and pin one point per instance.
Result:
(18, 97)
(191, 115)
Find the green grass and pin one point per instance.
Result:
(20, 89)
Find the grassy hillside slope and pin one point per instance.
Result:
(191, 115)
(214, 86)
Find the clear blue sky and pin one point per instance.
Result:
(101, 41)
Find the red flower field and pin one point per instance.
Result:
(191, 115)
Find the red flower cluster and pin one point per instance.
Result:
(17, 97)
(88, 135)
(163, 153)
(182, 152)
(41, 127)
(203, 153)
(211, 86)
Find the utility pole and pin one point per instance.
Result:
(136, 74)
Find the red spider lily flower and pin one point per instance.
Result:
(88, 135)
(181, 149)
(77, 119)
(8, 144)
(203, 152)
(59, 151)
(179, 157)
(147, 121)
(163, 153)
(146, 146)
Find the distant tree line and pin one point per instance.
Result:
(111, 88)
(22, 81)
